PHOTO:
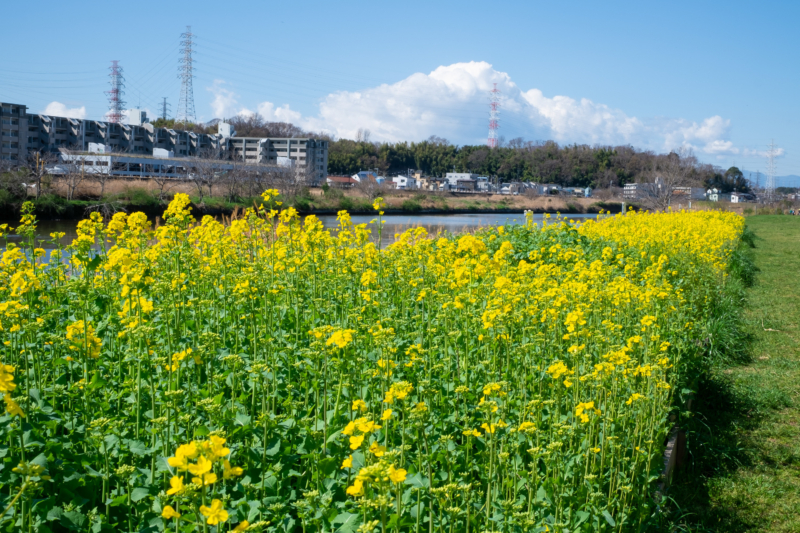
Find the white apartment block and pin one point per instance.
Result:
(21, 133)
(311, 154)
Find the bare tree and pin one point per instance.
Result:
(362, 135)
(12, 179)
(233, 179)
(165, 182)
(205, 171)
(38, 170)
(101, 176)
(370, 187)
(72, 170)
(289, 180)
(254, 125)
(670, 172)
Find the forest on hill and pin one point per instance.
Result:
(576, 165)
(571, 165)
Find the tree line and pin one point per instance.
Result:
(575, 165)
(569, 165)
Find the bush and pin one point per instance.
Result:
(411, 206)
(140, 197)
(6, 198)
(346, 203)
(333, 194)
(50, 204)
(302, 204)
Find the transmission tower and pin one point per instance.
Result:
(771, 170)
(164, 107)
(494, 115)
(186, 112)
(116, 104)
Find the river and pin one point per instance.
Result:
(393, 224)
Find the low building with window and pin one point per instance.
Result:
(341, 182)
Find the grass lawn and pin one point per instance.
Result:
(743, 473)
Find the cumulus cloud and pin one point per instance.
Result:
(57, 109)
(226, 104)
(453, 102)
(748, 152)
(225, 100)
(279, 114)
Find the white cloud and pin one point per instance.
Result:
(57, 109)
(779, 152)
(280, 114)
(226, 104)
(453, 102)
(225, 100)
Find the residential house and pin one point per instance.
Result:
(341, 182)
(714, 195)
(466, 184)
(454, 177)
(404, 182)
(580, 192)
(742, 197)
(688, 193)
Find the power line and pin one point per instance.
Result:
(164, 106)
(116, 104)
(186, 113)
(771, 170)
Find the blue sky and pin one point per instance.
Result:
(719, 77)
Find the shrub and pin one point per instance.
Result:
(140, 197)
(411, 206)
(346, 203)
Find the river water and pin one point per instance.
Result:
(393, 224)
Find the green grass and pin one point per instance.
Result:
(743, 471)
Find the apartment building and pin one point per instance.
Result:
(13, 128)
(21, 133)
(310, 154)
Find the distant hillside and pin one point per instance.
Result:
(789, 180)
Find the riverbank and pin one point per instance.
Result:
(743, 472)
(317, 202)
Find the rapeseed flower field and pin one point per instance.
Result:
(271, 375)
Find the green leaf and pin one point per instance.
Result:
(349, 522)
(94, 263)
(96, 382)
(609, 518)
(327, 466)
(417, 481)
(273, 447)
(119, 500)
(137, 448)
(73, 520)
(541, 495)
(139, 493)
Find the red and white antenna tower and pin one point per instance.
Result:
(116, 104)
(494, 115)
